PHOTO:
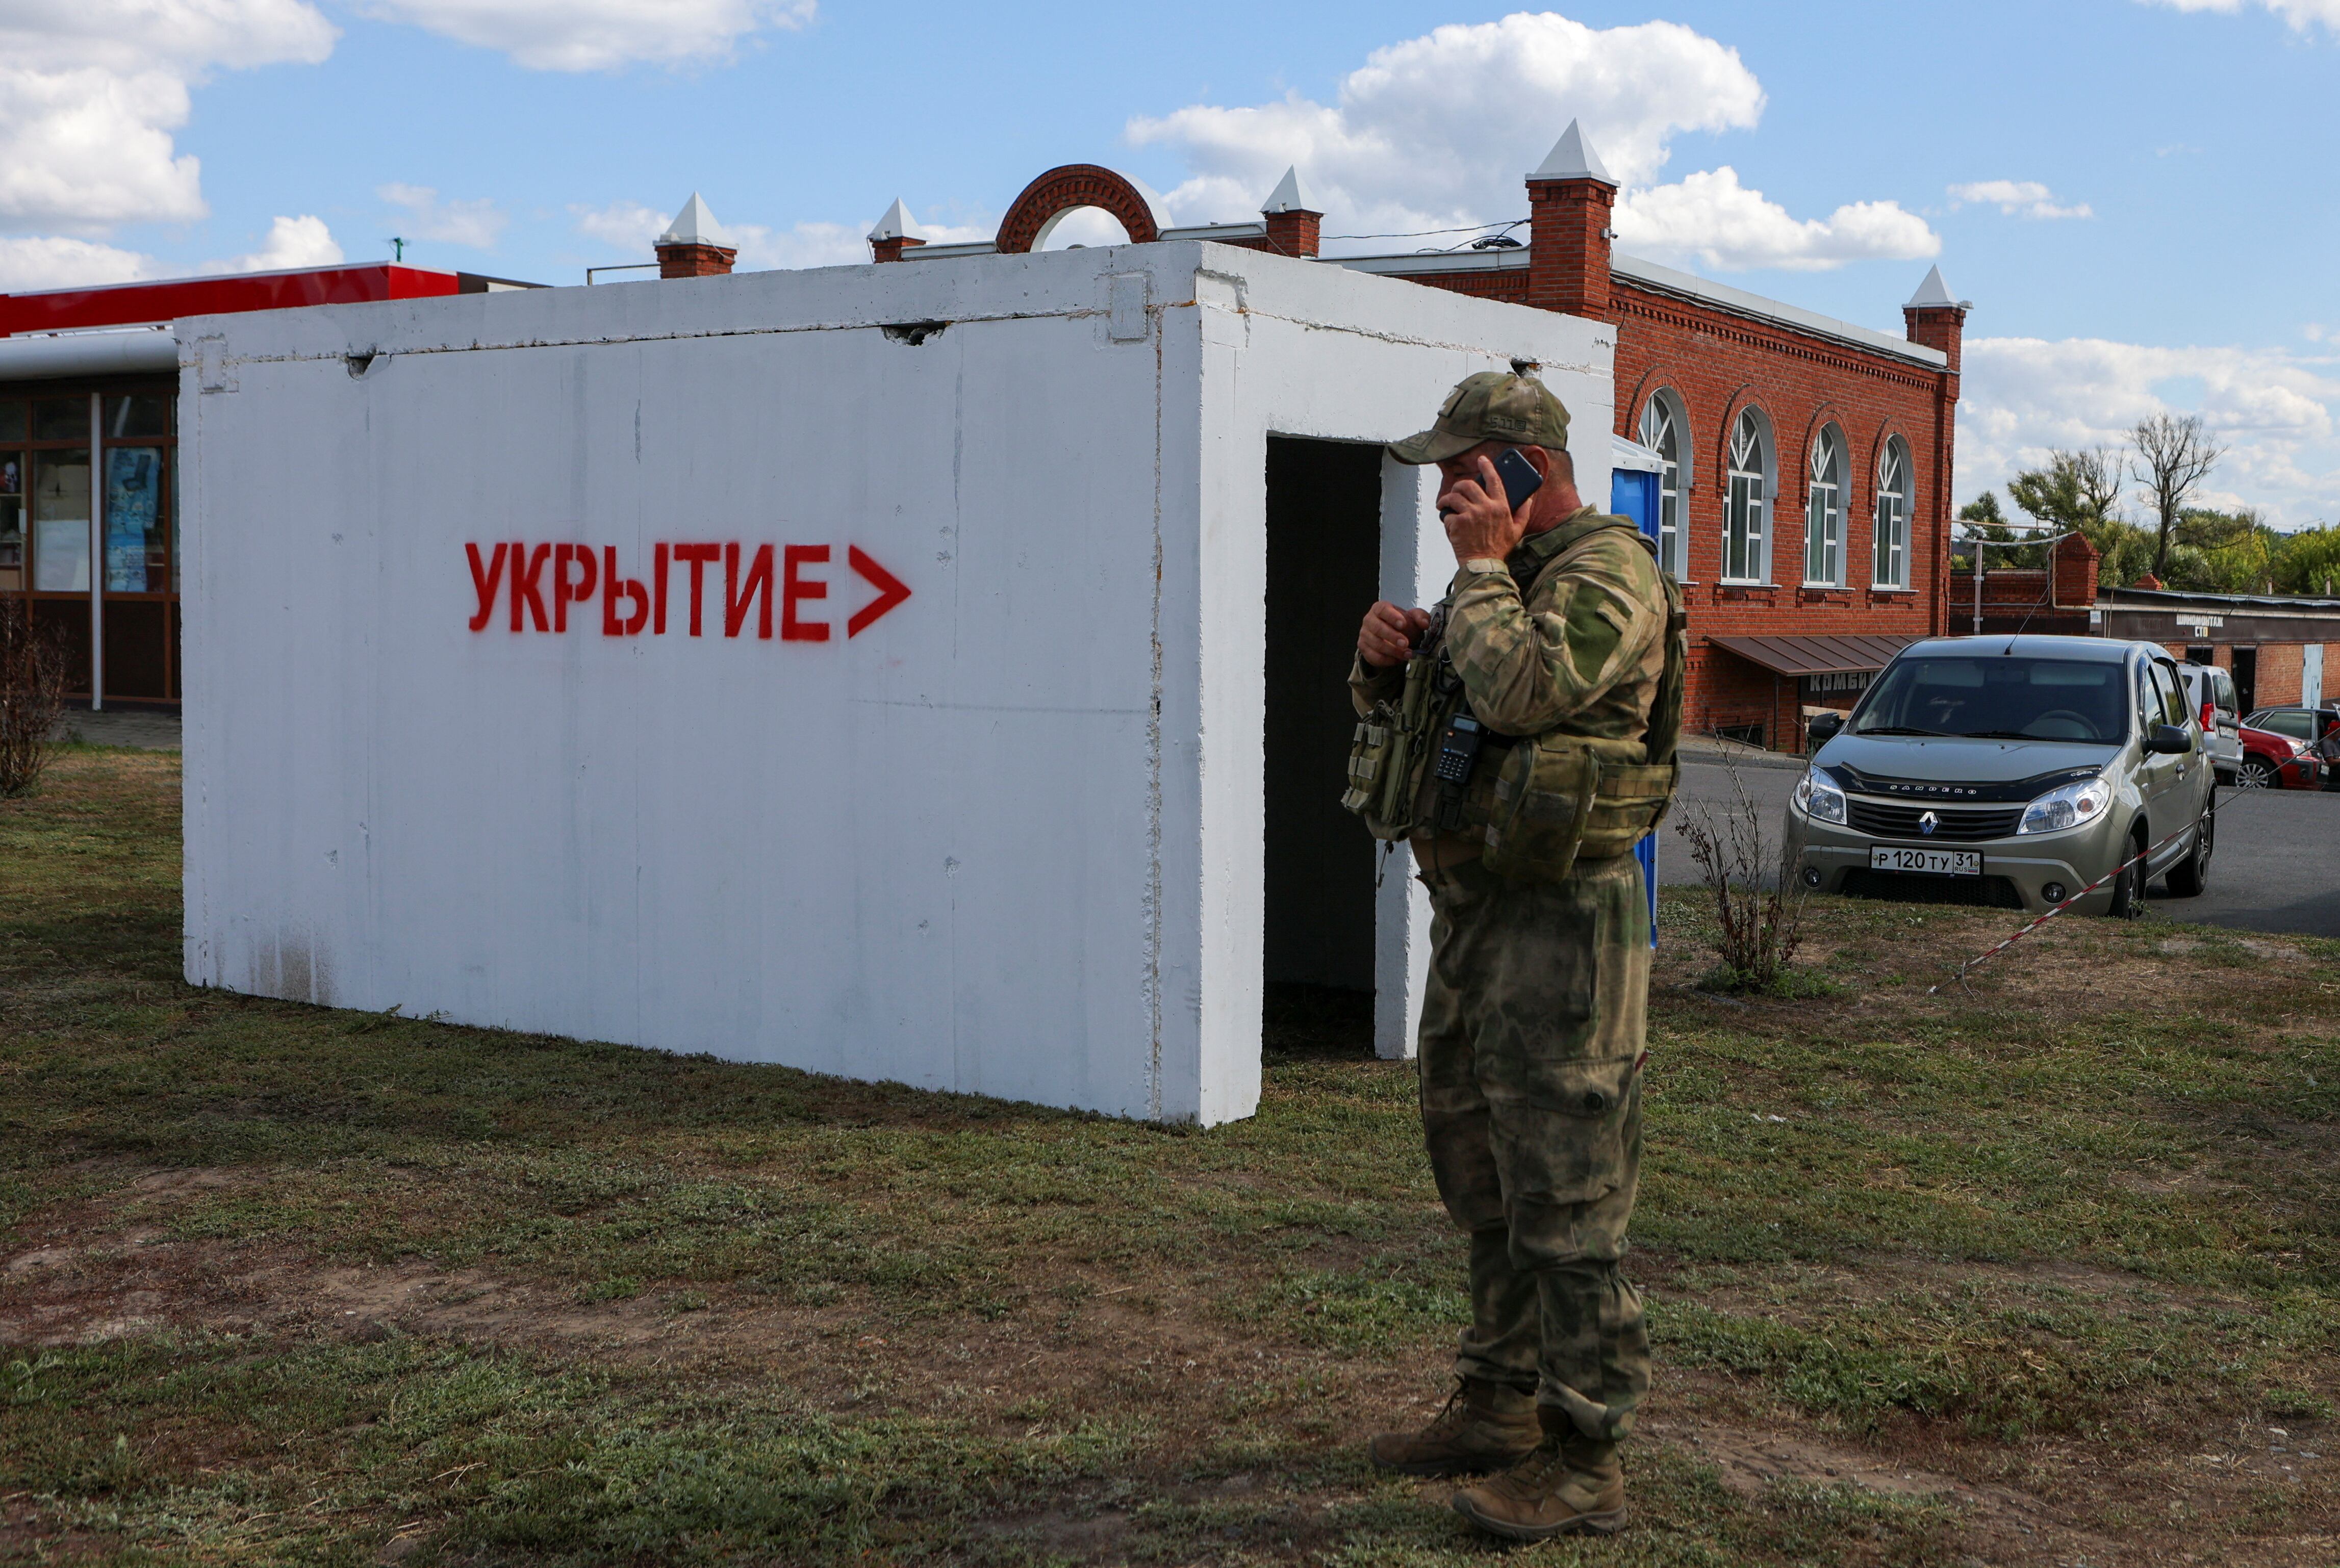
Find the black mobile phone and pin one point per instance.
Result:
(1519, 476)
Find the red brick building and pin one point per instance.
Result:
(1807, 460)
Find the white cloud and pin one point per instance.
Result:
(475, 223)
(1713, 219)
(621, 225)
(1440, 130)
(597, 34)
(2278, 412)
(2300, 13)
(54, 262)
(92, 91)
(302, 241)
(2017, 199)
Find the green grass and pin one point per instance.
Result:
(2054, 1231)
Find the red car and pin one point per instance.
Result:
(2271, 761)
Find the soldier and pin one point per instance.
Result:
(1560, 640)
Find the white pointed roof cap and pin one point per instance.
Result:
(1290, 195)
(694, 225)
(1573, 158)
(896, 224)
(1934, 294)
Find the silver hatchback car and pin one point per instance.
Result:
(2012, 772)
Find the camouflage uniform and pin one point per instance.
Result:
(1532, 1023)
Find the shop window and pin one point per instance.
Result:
(137, 558)
(61, 518)
(1892, 546)
(1824, 511)
(61, 420)
(11, 510)
(1662, 431)
(141, 414)
(1750, 493)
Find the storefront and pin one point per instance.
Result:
(89, 399)
(89, 548)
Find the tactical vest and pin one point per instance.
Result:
(1547, 800)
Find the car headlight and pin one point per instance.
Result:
(1819, 799)
(2067, 807)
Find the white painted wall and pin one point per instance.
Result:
(1005, 841)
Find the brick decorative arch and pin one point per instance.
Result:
(1071, 185)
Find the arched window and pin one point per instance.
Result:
(1662, 432)
(1751, 494)
(1893, 516)
(1824, 511)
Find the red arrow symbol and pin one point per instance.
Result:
(891, 590)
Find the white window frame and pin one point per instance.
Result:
(1824, 511)
(1890, 536)
(1747, 498)
(1662, 431)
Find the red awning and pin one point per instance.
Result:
(1814, 656)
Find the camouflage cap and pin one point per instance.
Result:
(1492, 406)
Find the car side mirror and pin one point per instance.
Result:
(2169, 740)
(1825, 726)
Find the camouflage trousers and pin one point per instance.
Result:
(1532, 1035)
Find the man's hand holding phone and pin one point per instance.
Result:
(1387, 636)
(1487, 516)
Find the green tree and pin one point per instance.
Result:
(2075, 493)
(2308, 562)
(1984, 521)
(2223, 552)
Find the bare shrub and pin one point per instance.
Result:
(32, 696)
(1759, 901)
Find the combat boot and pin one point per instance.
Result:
(1570, 1486)
(1485, 1425)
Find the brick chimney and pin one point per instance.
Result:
(688, 248)
(1295, 221)
(894, 234)
(2075, 569)
(1570, 201)
(1934, 319)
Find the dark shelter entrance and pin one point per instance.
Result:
(1324, 568)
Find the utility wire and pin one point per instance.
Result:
(1420, 233)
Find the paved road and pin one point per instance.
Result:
(2277, 866)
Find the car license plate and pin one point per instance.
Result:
(1932, 861)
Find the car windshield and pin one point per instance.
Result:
(1999, 698)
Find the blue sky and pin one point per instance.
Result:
(2138, 197)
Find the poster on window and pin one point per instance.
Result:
(132, 487)
(61, 555)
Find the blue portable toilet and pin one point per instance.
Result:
(1633, 471)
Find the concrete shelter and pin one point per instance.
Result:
(927, 674)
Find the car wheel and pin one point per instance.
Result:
(2257, 773)
(2189, 876)
(2128, 887)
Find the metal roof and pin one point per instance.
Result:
(1815, 655)
(1755, 307)
(2170, 598)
